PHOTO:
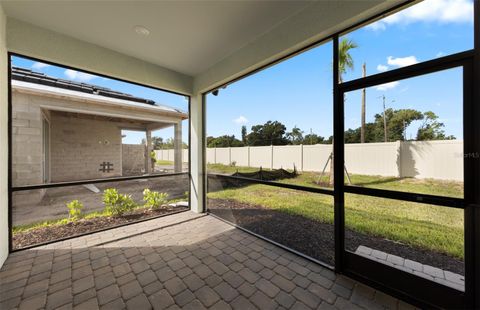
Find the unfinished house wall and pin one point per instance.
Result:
(133, 159)
(27, 157)
(79, 145)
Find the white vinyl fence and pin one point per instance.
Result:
(442, 159)
(170, 155)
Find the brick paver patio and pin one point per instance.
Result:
(188, 261)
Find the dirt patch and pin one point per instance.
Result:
(55, 232)
(315, 238)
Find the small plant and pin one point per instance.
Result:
(153, 199)
(117, 204)
(233, 163)
(186, 194)
(153, 159)
(74, 210)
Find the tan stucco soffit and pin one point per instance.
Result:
(316, 22)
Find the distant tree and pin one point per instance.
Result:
(431, 128)
(371, 134)
(244, 134)
(352, 135)
(168, 144)
(397, 122)
(312, 138)
(270, 133)
(224, 141)
(295, 136)
(157, 143)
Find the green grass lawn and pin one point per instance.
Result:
(421, 225)
(164, 162)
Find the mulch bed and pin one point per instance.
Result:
(55, 232)
(316, 239)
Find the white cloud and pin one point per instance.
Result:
(440, 54)
(40, 65)
(382, 68)
(397, 62)
(402, 61)
(387, 86)
(377, 26)
(241, 120)
(79, 76)
(440, 11)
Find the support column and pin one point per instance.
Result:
(177, 144)
(5, 162)
(197, 149)
(148, 150)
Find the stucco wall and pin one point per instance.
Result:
(3, 141)
(79, 146)
(133, 159)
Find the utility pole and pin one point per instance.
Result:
(362, 128)
(384, 119)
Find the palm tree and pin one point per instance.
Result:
(345, 62)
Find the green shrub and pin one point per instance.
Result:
(153, 156)
(117, 204)
(153, 199)
(74, 210)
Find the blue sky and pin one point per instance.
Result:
(298, 91)
(160, 97)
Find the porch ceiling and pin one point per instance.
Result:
(185, 36)
(124, 123)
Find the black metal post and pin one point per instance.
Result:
(471, 135)
(338, 161)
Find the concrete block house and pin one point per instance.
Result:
(65, 131)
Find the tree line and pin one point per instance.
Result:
(270, 133)
(275, 133)
(158, 143)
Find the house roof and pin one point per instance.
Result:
(30, 76)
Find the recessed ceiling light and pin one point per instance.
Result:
(141, 30)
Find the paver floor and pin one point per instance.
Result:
(188, 260)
